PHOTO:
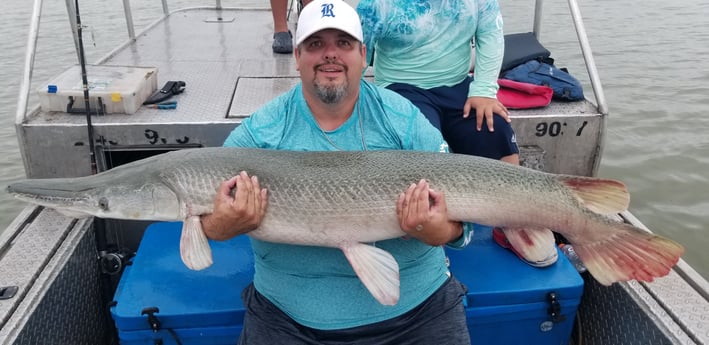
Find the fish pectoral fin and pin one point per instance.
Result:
(604, 196)
(194, 246)
(630, 253)
(377, 269)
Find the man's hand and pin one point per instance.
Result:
(485, 109)
(423, 214)
(237, 214)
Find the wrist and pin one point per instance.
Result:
(206, 220)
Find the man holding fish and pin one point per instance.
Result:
(308, 294)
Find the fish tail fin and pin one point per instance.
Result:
(377, 270)
(630, 253)
(194, 247)
(602, 196)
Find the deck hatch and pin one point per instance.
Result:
(252, 93)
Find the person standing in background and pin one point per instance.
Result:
(282, 37)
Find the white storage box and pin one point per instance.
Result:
(120, 89)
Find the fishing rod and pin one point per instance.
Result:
(85, 85)
(109, 263)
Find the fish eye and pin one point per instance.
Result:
(103, 203)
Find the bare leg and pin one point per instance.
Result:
(279, 10)
(282, 38)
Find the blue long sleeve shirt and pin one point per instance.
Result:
(316, 286)
(427, 43)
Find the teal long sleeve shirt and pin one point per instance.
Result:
(427, 43)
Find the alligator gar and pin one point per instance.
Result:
(348, 199)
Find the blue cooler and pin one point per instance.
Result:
(510, 302)
(158, 298)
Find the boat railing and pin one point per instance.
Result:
(585, 49)
(32, 37)
(588, 57)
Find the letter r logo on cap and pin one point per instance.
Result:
(327, 10)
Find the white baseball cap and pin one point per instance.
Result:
(328, 14)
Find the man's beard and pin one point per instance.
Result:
(331, 94)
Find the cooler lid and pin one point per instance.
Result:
(184, 298)
(495, 276)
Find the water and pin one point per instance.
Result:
(650, 55)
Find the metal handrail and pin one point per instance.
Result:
(588, 57)
(32, 37)
(71, 13)
(537, 26)
(129, 19)
(585, 49)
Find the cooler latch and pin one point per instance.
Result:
(153, 322)
(155, 325)
(152, 319)
(554, 309)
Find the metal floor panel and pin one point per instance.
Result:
(28, 255)
(54, 261)
(252, 93)
(609, 315)
(679, 305)
(666, 311)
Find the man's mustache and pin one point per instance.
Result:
(342, 65)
